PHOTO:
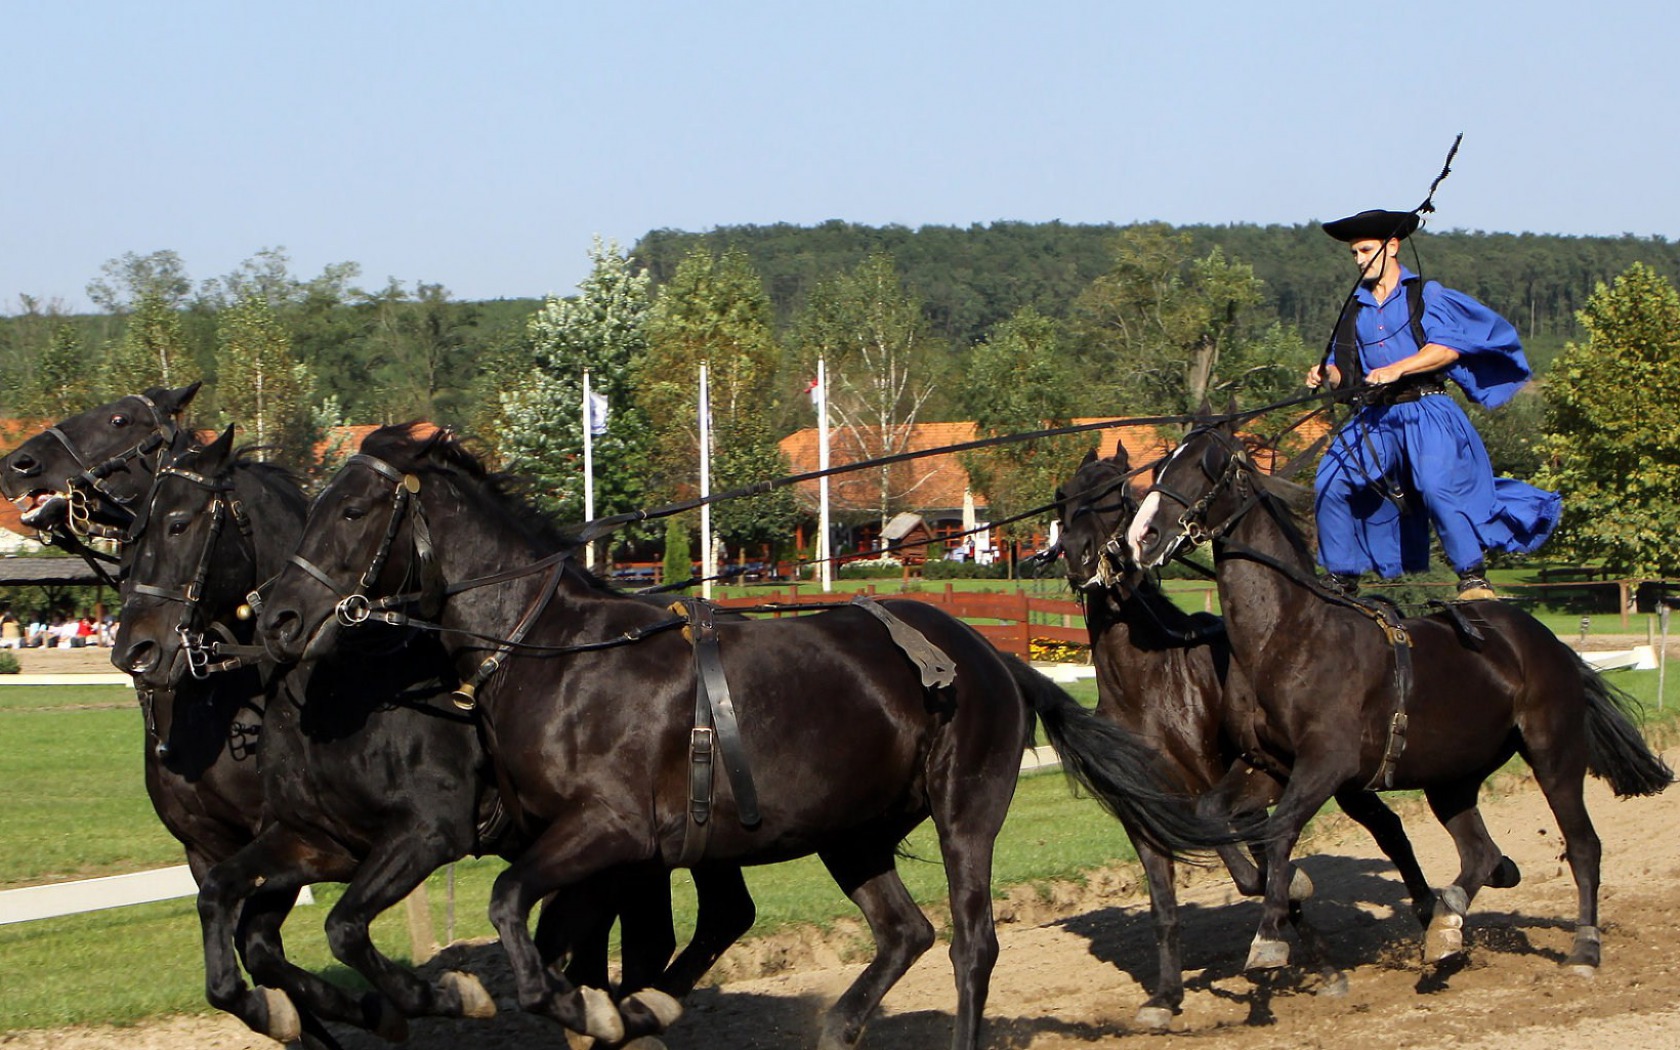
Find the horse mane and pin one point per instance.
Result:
(409, 447)
(1293, 507)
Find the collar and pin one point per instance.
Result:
(1364, 294)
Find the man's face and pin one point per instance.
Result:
(1372, 256)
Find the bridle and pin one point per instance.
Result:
(1114, 563)
(198, 653)
(354, 607)
(1193, 526)
(87, 490)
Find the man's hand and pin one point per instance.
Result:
(1385, 374)
(1316, 375)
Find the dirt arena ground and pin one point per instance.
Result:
(1072, 959)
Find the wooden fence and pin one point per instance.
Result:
(1009, 621)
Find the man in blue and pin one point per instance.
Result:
(1410, 456)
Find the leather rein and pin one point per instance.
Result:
(1240, 475)
(355, 607)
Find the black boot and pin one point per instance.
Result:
(1344, 584)
(1474, 587)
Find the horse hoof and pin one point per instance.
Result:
(1444, 939)
(284, 1025)
(645, 1042)
(600, 1016)
(1153, 1018)
(1300, 886)
(1584, 971)
(665, 1009)
(1335, 985)
(475, 1001)
(1505, 875)
(1267, 955)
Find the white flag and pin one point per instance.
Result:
(815, 391)
(597, 413)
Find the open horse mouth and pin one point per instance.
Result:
(42, 508)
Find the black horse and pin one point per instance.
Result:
(84, 476)
(1170, 677)
(1355, 698)
(849, 749)
(87, 477)
(370, 776)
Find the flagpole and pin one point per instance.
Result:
(708, 562)
(588, 471)
(825, 567)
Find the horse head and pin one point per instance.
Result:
(1095, 507)
(189, 563)
(85, 474)
(1201, 489)
(366, 551)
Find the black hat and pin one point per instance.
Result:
(1376, 225)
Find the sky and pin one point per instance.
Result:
(483, 146)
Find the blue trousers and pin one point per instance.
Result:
(1428, 450)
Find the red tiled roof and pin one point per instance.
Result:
(936, 482)
(940, 480)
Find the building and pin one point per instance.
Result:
(934, 489)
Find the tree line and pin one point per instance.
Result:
(1014, 326)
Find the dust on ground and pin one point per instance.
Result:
(1074, 956)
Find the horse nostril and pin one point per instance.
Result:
(25, 465)
(140, 658)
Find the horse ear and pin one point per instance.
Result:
(219, 449)
(1090, 457)
(1205, 408)
(1121, 457)
(181, 398)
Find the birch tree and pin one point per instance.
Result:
(880, 365)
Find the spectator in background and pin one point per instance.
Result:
(11, 631)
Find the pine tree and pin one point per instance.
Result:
(540, 435)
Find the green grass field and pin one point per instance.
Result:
(75, 807)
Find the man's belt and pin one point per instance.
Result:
(1405, 390)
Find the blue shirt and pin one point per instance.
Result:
(1491, 366)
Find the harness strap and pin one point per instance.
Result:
(715, 730)
(466, 697)
(937, 669)
(1400, 640)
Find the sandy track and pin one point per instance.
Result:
(1071, 964)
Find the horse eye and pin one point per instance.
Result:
(177, 527)
(119, 420)
(353, 511)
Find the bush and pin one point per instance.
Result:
(9, 663)
(872, 569)
(964, 570)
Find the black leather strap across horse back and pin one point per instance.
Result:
(1400, 640)
(937, 669)
(716, 734)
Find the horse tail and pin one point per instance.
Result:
(1119, 769)
(1615, 750)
